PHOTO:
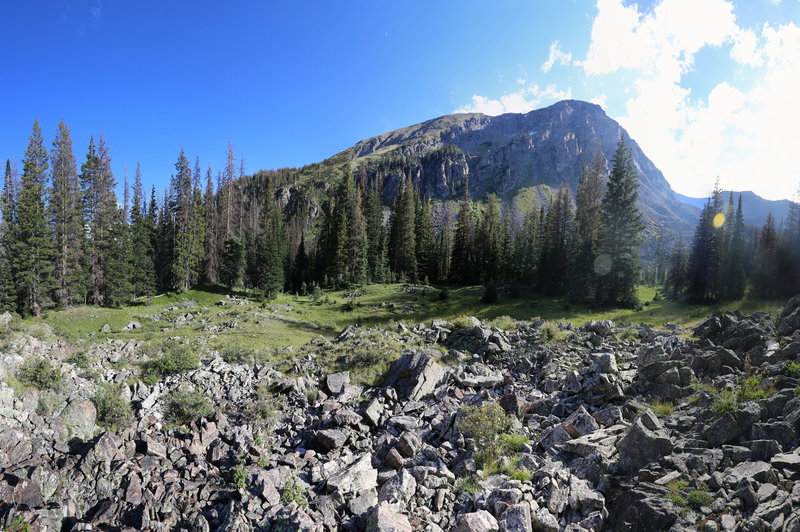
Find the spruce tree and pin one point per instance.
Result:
(557, 230)
(621, 234)
(463, 262)
(376, 232)
(30, 246)
(676, 279)
(765, 281)
(490, 238)
(273, 249)
(704, 261)
(8, 291)
(211, 268)
(424, 239)
(186, 262)
(143, 277)
(66, 221)
(402, 239)
(232, 265)
(118, 288)
(588, 221)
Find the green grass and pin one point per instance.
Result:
(264, 330)
(661, 408)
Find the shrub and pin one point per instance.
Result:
(512, 442)
(468, 484)
(750, 389)
(661, 408)
(266, 407)
(489, 294)
(725, 401)
(39, 373)
(504, 322)
(550, 332)
(113, 411)
(677, 499)
(484, 424)
(444, 294)
(80, 359)
(184, 406)
(698, 498)
(793, 370)
(239, 476)
(175, 360)
(523, 475)
(293, 492)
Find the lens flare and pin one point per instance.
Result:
(719, 220)
(603, 264)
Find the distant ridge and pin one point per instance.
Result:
(754, 207)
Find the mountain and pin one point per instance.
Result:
(754, 207)
(510, 153)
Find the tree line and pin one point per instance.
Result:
(726, 259)
(67, 239)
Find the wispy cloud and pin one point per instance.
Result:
(556, 56)
(520, 101)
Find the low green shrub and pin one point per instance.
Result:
(177, 358)
(293, 492)
(468, 484)
(550, 332)
(698, 498)
(793, 370)
(39, 373)
(512, 442)
(239, 476)
(661, 408)
(113, 411)
(484, 424)
(523, 475)
(184, 406)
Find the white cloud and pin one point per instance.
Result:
(556, 56)
(744, 136)
(600, 100)
(520, 101)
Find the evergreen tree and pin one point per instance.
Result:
(67, 221)
(376, 232)
(100, 210)
(676, 278)
(557, 230)
(232, 265)
(211, 269)
(588, 221)
(273, 249)
(621, 234)
(30, 246)
(189, 235)
(463, 261)
(490, 238)
(300, 267)
(704, 260)
(424, 239)
(143, 277)
(119, 289)
(444, 247)
(765, 283)
(527, 248)
(402, 239)
(8, 291)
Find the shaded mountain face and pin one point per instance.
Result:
(509, 153)
(754, 208)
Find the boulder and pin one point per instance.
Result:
(415, 375)
(480, 521)
(384, 518)
(329, 439)
(359, 475)
(79, 416)
(517, 518)
(644, 442)
(336, 382)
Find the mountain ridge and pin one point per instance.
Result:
(754, 207)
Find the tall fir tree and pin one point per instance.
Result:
(376, 232)
(66, 220)
(703, 281)
(211, 267)
(273, 248)
(463, 267)
(143, 278)
(425, 239)
(557, 228)
(403, 246)
(765, 279)
(676, 279)
(8, 292)
(185, 266)
(588, 221)
(232, 265)
(100, 210)
(490, 238)
(621, 234)
(119, 288)
(31, 246)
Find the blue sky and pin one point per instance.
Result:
(707, 87)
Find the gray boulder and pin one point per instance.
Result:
(415, 375)
(384, 518)
(480, 521)
(645, 442)
(79, 417)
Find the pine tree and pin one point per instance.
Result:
(31, 247)
(118, 289)
(232, 265)
(273, 249)
(462, 261)
(444, 251)
(527, 248)
(211, 269)
(402, 239)
(557, 230)
(100, 210)
(376, 233)
(765, 283)
(185, 266)
(704, 260)
(676, 278)
(490, 238)
(425, 239)
(67, 221)
(588, 221)
(143, 277)
(621, 234)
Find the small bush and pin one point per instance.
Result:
(461, 322)
(793, 370)
(505, 323)
(48, 403)
(184, 406)
(512, 442)
(444, 294)
(725, 401)
(468, 484)
(113, 411)
(661, 408)
(484, 424)
(676, 499)
(175, 360)
(39, 373)
(698, 498)
(239, 476)
(750, 389)
(677, 486)
(293, 492)
(266, 407)
(489, 294)
(550, 332)
(80, 359)
(523, 475)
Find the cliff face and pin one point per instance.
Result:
(510, 152)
